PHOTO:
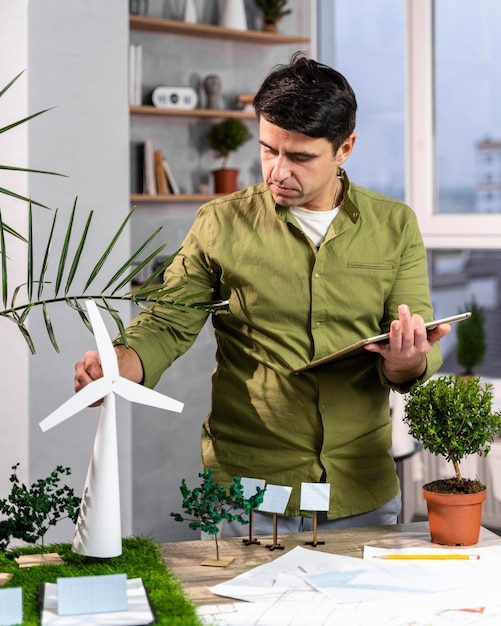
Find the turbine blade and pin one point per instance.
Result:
(105, 347)
(143, 395)
(93, 392)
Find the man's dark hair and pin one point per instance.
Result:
(309, 98)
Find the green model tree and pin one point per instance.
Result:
(471, 344)
(29, 512)
(208, 505)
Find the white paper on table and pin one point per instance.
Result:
(139, 611)
(315, 496)
(269, 580)
(473, 583)
(279, 595)
(98, 532)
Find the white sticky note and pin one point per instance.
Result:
(11, 606)
(315, 496)
(250, 486)
(275, 499)
(92, 594)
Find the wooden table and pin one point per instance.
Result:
(184, 558)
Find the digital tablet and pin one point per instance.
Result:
(377, 338)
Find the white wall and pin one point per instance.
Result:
(13, 150)
(74, 54)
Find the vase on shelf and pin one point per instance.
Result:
(190, 12)
(233, 15)
(270, 24)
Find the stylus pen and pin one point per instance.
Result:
(438, 557)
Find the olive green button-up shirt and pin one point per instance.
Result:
(290, 303)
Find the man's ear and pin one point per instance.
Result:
(345, 148)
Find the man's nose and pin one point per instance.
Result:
(281, 169)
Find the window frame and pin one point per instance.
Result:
(477, 230)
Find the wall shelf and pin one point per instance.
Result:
(207, 113)
(159, 25)
(200, 198)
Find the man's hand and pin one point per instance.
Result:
(89, 368)
(405, 353)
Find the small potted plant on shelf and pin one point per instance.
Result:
(224, 138)
(273, 11)
(452, 417)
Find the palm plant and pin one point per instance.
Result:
(39, 291)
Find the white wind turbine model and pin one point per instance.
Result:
(98, 531)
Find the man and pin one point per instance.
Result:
(309, 263)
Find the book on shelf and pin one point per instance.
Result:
(160, 175)
(173, 186)
(149, 179)
(158, 178)
(135, 74)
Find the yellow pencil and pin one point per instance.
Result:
(456, 557)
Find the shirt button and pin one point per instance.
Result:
(317, 275)
(317, 324)
(323, 407)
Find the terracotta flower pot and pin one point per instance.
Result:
(270, 24)
(454, 519)
(225, 180)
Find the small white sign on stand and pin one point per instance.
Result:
(315, 497)
(275, 501)
(250, 487)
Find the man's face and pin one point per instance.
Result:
(300, 170)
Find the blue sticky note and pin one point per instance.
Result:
(11, 606)
(92, 594)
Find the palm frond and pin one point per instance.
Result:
(5, 283)
(49, 327)
(46, 258)
(38, 277)
(9, 84)
(64, 252)
(102, 260)
(29, 265)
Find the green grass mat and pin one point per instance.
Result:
(140, 558)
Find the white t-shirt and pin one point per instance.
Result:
(314, 223)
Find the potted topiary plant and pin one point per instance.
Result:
(273, 11)
(224, 138)
(452, 417)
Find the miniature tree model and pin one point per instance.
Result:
(208, 505)
(471, 345)
(452, 417)
(30, 512)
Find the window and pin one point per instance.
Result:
(365, 41)
(426, 74)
